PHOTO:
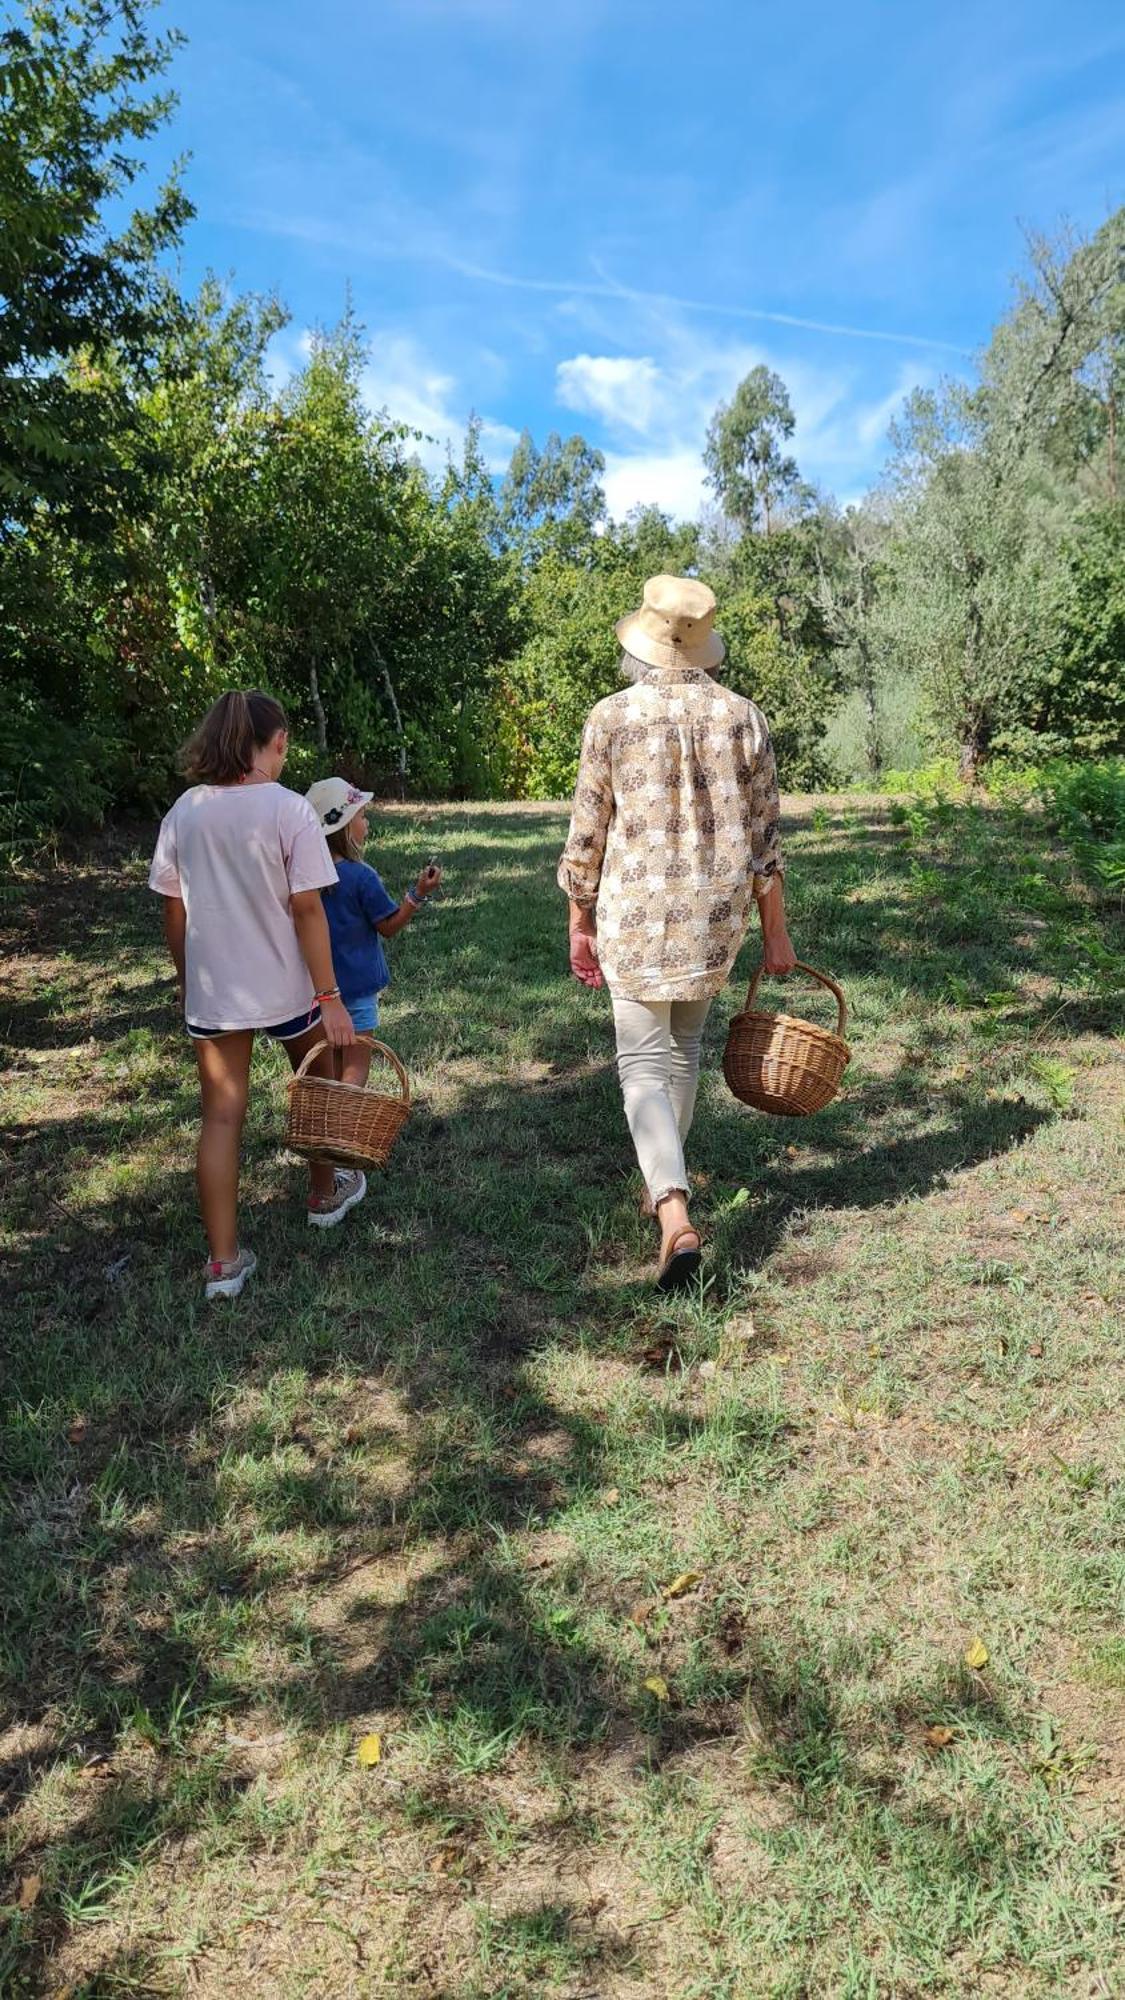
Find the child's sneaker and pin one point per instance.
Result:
(225, 1280)
(326, 1212)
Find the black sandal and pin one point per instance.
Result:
(680, 1266)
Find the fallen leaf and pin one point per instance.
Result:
(792, 1152)
(784, 1358)
(641, 1613)
(1036, 1350)
(30, 1886)
(875, 1352)
(370, 1750)
(76, 1431)
(976, 1654)
(611, 1497)
(1021, 1216)
(939, 1737)
(680, 1585)
(657, 1685)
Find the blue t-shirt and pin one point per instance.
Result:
(353, 908)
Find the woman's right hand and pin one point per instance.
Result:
(337, 1024)
(584, 959)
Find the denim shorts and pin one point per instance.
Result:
(285, 1031)
(364, 1013)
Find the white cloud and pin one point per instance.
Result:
(622, 389)
(656, 412)
(671, 480)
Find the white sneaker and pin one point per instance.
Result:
(225, 1281)
(351, 1186)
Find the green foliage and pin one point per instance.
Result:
(551, 500)
(80, 299)
(745, 457)
(172, 524)
(1006, 549)
(1088, 803)
(1073, 700)
(794, 686)
(52, 777)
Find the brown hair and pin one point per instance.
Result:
(222, 749)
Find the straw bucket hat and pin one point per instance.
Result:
(675, 626)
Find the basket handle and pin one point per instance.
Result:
(377, 1048)
(841, 1003)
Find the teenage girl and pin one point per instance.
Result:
(240, 863)
(360, 914)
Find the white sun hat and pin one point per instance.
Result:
(675, 626)
(335, 802)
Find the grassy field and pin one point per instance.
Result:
(660, 1610)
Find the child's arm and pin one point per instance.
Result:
(175, 936)
(311, 926)
(411, 903)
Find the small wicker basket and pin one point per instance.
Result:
(348, 1123)
(782, 1064)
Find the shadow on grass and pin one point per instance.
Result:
(137, 1558)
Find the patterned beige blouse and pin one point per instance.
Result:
(675, 813)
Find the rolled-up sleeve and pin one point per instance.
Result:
(581, 866)
(766, 858)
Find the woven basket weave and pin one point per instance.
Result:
(782, 1064)
(346, 1122)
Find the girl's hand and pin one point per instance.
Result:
(428, 881)
(584, 959)
(337, 1024)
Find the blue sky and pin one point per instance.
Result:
(597, 214)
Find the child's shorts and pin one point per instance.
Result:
(364, 1013)
(285, 1031)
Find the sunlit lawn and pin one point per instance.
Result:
(432, 1476)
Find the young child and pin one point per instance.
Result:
(360, 914)
(240, 863)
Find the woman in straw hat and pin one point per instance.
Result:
(674, 833)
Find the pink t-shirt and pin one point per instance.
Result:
(236, 854)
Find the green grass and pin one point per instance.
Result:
(432, 1474)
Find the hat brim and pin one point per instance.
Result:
(709, 653)
(347, 815)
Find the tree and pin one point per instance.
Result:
(81, 303)
(850, 558)
(552, 499)
(991, 486)
(746, 463)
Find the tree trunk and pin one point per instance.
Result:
(873, 744)
(318, 708)
(974, 731)
(392, 703)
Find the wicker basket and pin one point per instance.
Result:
(781, 1064)
(348, 1123)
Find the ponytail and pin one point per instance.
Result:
(221, 750)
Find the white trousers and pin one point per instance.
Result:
(658, 1063)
